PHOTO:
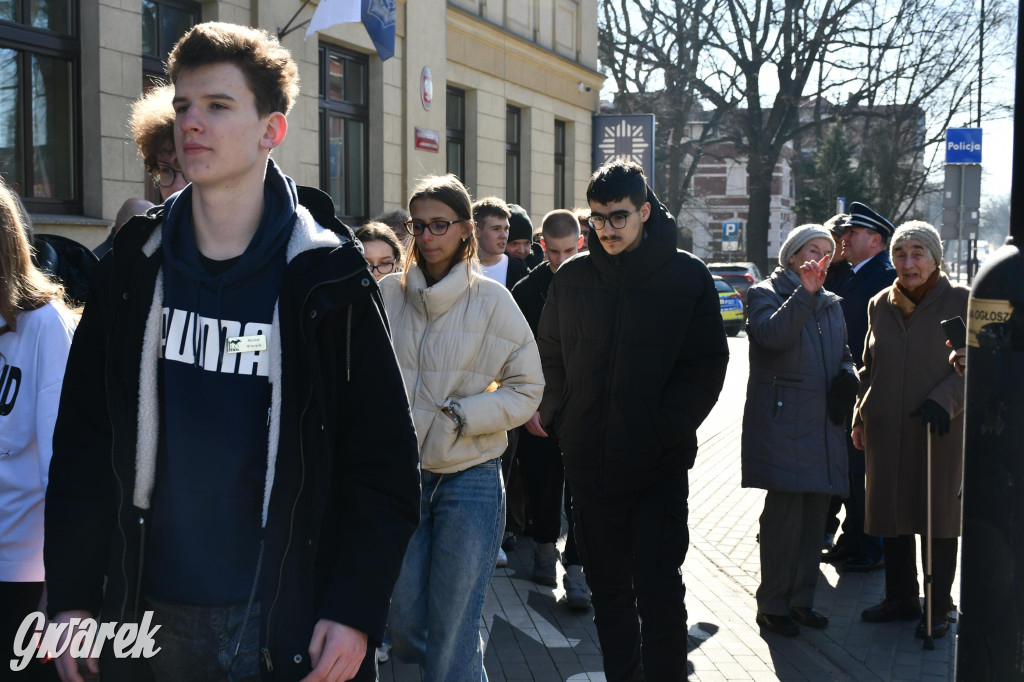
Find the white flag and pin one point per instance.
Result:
(331, 12)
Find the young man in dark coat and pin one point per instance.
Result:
(634, 355)
(538, 454)
(865, 242)
(214, 465)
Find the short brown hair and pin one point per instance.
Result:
(560, 223)
(490, 207)
(450, 191)
(269, 69)
(152, 124)
(374, 231)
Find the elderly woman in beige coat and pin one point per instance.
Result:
(908, 387)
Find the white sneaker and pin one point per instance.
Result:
(502, 561)
(384, 652)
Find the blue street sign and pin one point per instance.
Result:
(963, 145)
(730, 235)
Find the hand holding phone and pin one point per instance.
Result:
(956, 332)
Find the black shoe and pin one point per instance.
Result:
(808, 616)
(836, 554)
(940, 625)
(893, 609)
(780, 625)
(509, 541)
(860, 564)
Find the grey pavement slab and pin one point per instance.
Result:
(530, 635)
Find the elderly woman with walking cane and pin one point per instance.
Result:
(911, 399)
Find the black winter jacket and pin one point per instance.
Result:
(531, 292)
(344, 495)
(634, 355)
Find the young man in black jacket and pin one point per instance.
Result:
(213, 463)
(540, 459)
(634, 355)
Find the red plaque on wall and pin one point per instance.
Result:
(427, 140)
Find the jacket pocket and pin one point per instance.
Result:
(441, 447)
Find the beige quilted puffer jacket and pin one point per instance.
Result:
(463, 341)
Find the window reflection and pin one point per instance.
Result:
(51, 15)
(52, 132)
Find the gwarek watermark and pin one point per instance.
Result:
(39, 639)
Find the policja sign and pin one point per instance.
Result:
(963, 145)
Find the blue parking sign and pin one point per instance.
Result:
(963, 145)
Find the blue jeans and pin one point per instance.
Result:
(439, 597)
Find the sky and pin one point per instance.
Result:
(996, 158)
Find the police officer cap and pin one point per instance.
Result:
(862, 215)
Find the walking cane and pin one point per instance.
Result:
(929, 641)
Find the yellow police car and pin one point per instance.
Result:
(731, 305)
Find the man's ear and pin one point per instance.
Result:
(542, 244)
(579, 244)
(645, 211)
(277, 128)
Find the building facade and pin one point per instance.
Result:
(719, 195)
(500, 93)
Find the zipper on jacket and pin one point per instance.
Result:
(824, 365)
(617, 335)
(265, 652)
(142, 556)
(302, 476)
(120, 507)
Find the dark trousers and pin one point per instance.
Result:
(17, 600)
(859, 543)
(633, 549)
(792, 525)
(571, 554)
(540, 466)
(516, 516)
(901, 569)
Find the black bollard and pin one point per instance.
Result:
(990, 641)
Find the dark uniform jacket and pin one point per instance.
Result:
(343, 497)
(634, 355)
(856, 289)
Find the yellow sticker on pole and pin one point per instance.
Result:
(982, 312)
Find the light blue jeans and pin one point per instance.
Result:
(439, 597)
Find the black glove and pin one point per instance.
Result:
(844, 385)
(841, 396)
(933, 416)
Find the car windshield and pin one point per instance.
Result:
(723, 287)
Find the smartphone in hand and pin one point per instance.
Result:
(956, 332)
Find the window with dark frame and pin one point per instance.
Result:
(560, 200)
(164, 22)
(40, 118)
(455, 132)
(513, 126)
(344, 130)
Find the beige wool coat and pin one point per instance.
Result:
(906, 363)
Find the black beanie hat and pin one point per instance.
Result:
(519, 225)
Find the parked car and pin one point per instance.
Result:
(741, 276)
(731, 304)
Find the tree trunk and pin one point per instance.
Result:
(759, 182)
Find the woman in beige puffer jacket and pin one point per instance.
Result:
(472, 372)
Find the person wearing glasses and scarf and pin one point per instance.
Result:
(472, 372)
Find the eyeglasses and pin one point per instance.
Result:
(617, 219)
(436, 227)
(382, 268)
(164, 176)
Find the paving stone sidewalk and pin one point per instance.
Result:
(531, 636)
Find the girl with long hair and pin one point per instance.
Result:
(35, 337)
(473, 372)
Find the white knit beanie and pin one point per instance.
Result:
(921, 231)
(800, 236)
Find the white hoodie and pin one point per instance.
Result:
(32, 361)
